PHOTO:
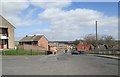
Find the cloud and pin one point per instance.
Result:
(0, 8)
(72, 24)
(45, 4)
(14, 0)
(64, 25)
(13, 8)
(11, 11)
(78, 17)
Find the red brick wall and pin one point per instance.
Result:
(43, 42)
(87, 47)
(82, 46)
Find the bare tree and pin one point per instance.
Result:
(76, 42)
(107, 40)
(90, 39)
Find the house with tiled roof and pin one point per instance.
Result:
(36, 40)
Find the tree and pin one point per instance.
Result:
(109, 41)
(76, 42)
(90, 39)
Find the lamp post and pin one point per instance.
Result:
(96, 35)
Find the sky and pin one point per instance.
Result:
(61, 21)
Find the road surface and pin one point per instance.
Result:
(64, 64)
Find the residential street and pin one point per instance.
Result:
(63, 64)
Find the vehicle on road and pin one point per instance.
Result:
(81, 52)
(49, 52)
(74, 51)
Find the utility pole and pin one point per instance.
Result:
(96, 35)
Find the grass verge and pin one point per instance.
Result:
(21, 52)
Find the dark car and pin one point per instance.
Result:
(49, 52)
(81, 52)
(74, 51)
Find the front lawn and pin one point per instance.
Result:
(21, 52)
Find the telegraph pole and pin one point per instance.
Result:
(96, 35)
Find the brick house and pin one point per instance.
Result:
(36, 40)
(6, 34)
(83, 47)
(58, 47)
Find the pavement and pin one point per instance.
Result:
(108, 56)
(0, 65)
(63, 64)
(105, 56)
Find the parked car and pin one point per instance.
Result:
(74, 51)
(81, 52)
(49, 52)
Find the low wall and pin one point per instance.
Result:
(108, 52)
(31, 47)
(20, 47)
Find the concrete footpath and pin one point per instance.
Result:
(108, 56)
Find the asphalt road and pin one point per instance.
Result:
(64, 64)
(0, 65)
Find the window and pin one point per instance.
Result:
(35, 43)
(3, 41)
(0, 41)
(3, 30)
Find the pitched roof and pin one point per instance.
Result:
(31, 38)
(1, 17)
(36, 38)
(101, 47)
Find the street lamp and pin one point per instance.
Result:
(96, 35)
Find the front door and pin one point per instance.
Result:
(1, 44)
